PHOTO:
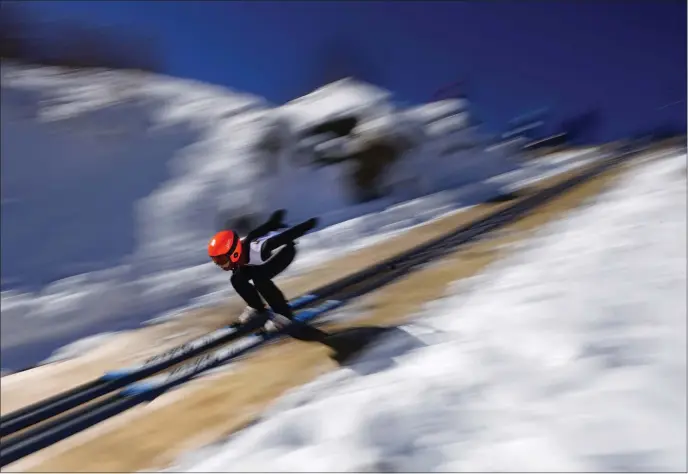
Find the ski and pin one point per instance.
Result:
(159, 384)
(144, 391)
(185, 349)
(118, 378)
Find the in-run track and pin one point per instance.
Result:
(32, 428)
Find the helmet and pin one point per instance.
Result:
(225, 249)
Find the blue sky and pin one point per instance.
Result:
(627, 58)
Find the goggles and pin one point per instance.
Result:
(231, 259)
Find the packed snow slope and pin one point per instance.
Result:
(113, 181)
(568, 356)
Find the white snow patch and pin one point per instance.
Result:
(79, 348)
(570, 355)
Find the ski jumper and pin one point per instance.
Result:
(271, 249)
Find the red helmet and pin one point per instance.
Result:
(225, 249)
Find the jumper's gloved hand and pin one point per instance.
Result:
(277, 218)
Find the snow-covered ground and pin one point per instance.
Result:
(124, 176)
(570, 355)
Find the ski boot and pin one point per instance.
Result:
(252, 317)
(294, 328)
(276, 322)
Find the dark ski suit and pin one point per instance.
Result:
(271, 248)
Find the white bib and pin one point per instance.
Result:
(254, 257)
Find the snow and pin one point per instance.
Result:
(79, 347)
(569, 355)
(341, 98)
(125, 175)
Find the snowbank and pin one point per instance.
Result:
(80, 150)
(567, 356)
